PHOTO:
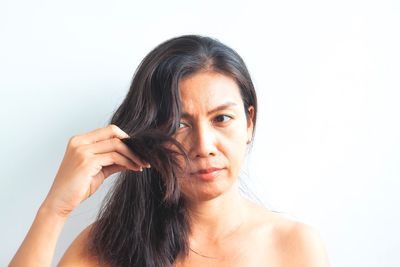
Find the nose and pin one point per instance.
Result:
(203, 142)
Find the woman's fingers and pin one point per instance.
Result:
(99, 134)
(109, 170)
(115, 144)
(88, 160)
(108, 159)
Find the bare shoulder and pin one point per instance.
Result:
(77, 255)
(293, 243)
(300, 244)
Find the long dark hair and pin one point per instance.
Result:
(144, 221)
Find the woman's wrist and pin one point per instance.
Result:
(48, 210)
(38, 247)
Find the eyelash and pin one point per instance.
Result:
(222, 115)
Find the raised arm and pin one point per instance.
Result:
(37, 249)
(89, 159)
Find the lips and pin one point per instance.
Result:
(205, 171)
(208, 174)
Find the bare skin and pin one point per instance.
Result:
(267, 239)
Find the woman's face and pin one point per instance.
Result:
(214, 131)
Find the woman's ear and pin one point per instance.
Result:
(250, 125)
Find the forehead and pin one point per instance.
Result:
(204, 90)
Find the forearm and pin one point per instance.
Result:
(38, 247)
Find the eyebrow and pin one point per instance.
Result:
(220, 107)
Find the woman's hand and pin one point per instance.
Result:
(89, 159)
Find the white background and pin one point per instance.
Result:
(327, 148)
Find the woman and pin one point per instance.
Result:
(179, 139)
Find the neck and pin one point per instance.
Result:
(216, 219)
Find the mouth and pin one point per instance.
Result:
(207, 174)
(204, 171)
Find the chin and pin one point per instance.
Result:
(201, 196)
(204, 192)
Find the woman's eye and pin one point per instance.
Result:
(182, 125)
(222, 118)
(217, 119)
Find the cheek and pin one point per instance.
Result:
(234, 148)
